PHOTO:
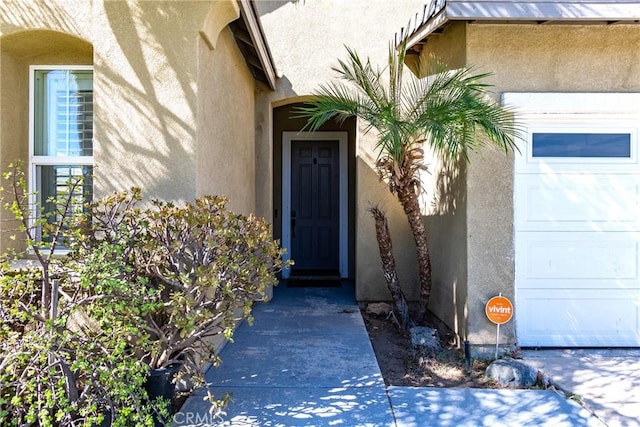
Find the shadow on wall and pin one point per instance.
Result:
(370, 277)
(20, 15)
(160, 144)
(447, 230)
(449, 195)
(144, 136)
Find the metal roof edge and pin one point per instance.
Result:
(438, 13)
(259, 41)
(432, 25)
(543, 10)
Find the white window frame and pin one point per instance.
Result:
(574, 113)
(35, 161)
(587, 125)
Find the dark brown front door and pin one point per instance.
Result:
(315, 177)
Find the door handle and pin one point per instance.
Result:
(293, 224)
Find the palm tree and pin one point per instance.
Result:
(400, 306)
(443, 110)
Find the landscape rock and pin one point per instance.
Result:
(544, 380)
(512, 373)
(379, 308)
(424, 338)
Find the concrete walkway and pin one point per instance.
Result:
(307, 361)
(607, 381)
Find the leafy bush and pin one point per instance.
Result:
(139, 289)
(203, 261)
(67, 370)
(63, 359)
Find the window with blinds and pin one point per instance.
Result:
(61, 148)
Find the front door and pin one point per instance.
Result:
(315, 206)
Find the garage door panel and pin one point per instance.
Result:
(577, 219)
(585, 318)
(570, 255)
(578, 202)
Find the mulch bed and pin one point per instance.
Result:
(400, 366)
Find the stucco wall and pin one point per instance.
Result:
(226, 144)
(447, 227)
(145, 57)
(306, 40)
(174, 99)
(444, 204)
(448, 46)
(13, 110)
(146, 96)
(563, 58)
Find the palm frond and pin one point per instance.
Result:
(445, 109)
(396, 70)
(364, 77)
(455, 107)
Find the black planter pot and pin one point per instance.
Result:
(160, 384)
(106, 422)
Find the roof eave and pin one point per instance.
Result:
(259, 40)
(441, 12)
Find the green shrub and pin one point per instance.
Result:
(206, 264)
(139, 289)
(54, 369)
(65, 370)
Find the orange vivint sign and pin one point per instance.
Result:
(499, 310)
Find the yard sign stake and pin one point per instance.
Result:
(499, 310)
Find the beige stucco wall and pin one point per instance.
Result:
(446, 223)
(226, 146)
(12, 110)
(444, 203)
(306, 40)
(174, 99)
(579, 58)
(522, 58)
(448, 47)
(146, 96)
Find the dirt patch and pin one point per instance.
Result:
(401, 367)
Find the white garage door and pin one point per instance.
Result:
(577, 232)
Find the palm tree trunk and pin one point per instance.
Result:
(400, 307)
(409, 200)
